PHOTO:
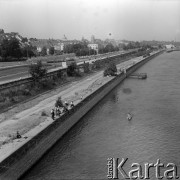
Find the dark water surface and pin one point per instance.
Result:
(153, 133)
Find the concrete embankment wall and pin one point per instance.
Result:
(25, 157)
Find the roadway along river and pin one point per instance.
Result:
(153, 133)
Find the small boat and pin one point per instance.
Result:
(129, 116)
(142, 76)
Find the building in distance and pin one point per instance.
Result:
(94, 47)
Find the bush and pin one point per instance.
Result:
(43, 113)
(110, 70)
(47, 84)
(13, 99)
(37, 71)
(60, 74)
(59, 102)
(12, 93)
(73, 70)
(2, 98)
(54, 78)
(26, 92)
(86, 67)
(97, 64)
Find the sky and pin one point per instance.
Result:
(135, 20)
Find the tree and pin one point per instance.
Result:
(24, 40)
(51, 50)
(68, 48)
(14, 48)
(72, 69)
(111, 70)
(109, 48)
(101, 50)
(4, 48)
(97, 64)
(160, 46)
(10, 48)
(86, 67)
(28, 51)
(44, 51)
(37, 71)
(59, 102)
(93, 52)
(137, 44)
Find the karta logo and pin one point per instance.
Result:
(115, 169)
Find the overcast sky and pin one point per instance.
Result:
(124, 19)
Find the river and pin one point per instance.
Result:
(153, 133)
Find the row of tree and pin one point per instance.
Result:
(82, 49)
(44, 51)
(133, 45)
(108, 48)
(11, 49)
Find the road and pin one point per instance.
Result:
(10, 74)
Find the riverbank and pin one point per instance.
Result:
(89, 88)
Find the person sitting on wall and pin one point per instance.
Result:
(18, 136)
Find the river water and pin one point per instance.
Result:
(153, 133)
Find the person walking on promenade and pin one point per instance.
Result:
(52, 114)
(58, 111)
(18, 136)
(66, 103)
(72, 104)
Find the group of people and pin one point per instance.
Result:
(57, 111)
(123, 70)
